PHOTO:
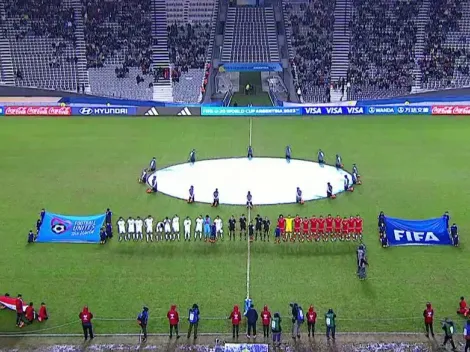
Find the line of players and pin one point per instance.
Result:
(317, 229)
(287, 229)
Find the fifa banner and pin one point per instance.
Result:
(250, 347)
(70, 229)
(431, 232)
(9, 303)
(315, 110)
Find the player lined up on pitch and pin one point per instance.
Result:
(288, 229)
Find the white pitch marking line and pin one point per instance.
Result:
(248, 260)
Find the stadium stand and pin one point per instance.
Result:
(250, 35)
(135, 48)
(41, 35)
(382, 48)
(118, 48)
(447, 55)
(190, 42)
(311, 29)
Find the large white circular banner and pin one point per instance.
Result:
(270, 180)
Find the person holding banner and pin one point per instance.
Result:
(446, 217)
(31, 236)
(454, 233)
(19, 305)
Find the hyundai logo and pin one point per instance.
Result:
(86, 111)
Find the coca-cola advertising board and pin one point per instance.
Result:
(38, 111)
(451, 110)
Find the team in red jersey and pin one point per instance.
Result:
(305, 229)
(320, 228)
(297, 226)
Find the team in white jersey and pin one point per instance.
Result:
(130, 229)
(121, 225)
(167, 224)
(139, 229)
(198, 230)
(187, 229)
(167, 229)
(176, 227)
(218, 227)
(159, 231)
(149, 228)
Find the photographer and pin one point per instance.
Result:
(449, 328)
(297, 319)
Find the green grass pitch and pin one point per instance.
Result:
(412, 167)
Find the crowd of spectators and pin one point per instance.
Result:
(311, 27)
(187, 45)
(118, 29)
(383, 37)
(49, 18)
(439, 60)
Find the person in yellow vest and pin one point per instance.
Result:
(289, 223)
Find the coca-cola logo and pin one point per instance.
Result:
(461, 110)
(38, 110)
(451, 110)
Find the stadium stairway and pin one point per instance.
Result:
(162, 90)
(80, 49)
(273, 44)
(7, 75)
(421, 21)
(228, 35)
(341, 45)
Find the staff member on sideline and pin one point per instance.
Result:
(142, 320)
(86, 316)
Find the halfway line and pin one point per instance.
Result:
(248, 260)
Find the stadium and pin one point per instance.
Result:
(207, 154)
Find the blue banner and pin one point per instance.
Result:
(250, 111)
(104, 110)
(250, 67)
(2, 110)
(70, 229)
(431, 232)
